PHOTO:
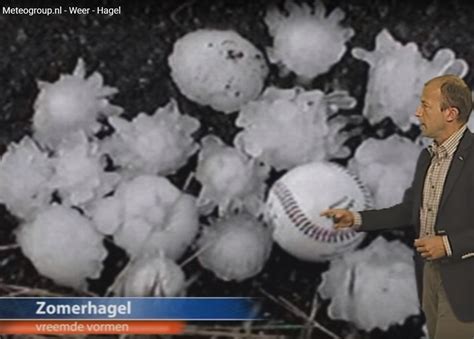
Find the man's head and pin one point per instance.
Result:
(446, 103)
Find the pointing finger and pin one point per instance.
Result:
(420, 249)
(324, 213)
(327, 213)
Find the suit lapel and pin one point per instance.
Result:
(457, 164)
(419, 181)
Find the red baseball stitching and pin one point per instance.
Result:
(303, 223)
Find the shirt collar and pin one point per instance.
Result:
(448, 147)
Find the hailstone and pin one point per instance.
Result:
(397, 75)
(157, 144)
(229, 178)
(285, 128)
(63, 245)
(235, 247)
(386, 167)
(147, 214)
(155, 276)
(306, 41)
(218, 68)
(25, 175)
(374, 287)
(72, 103)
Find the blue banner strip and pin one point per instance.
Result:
(128, 308)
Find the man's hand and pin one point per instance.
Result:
(342, 218)
(431, 248)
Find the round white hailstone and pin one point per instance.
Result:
(157, 144)
(146, 215)
(235, 247)
(63, 245)
(25, 174)
(306, 42)
(79, 176)
(386, 167)
(285, 128)
(107, 214)
(72, 103)
(293, 208)
(218, 68)
(155, 276)
(229, 178)
(178, 233)
(397, 75)
(374, 287)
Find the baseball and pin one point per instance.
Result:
(295, 201)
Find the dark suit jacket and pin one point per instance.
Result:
(455, 219)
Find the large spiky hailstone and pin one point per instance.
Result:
(386, 167)
(229, 178)
(155, 276)
(218, 68)
(146, 215)
(25, 174)
(285, 128)
(305, 40)
(63, 245)
(72, 103)
(397, 75)
(374, 287)
(296, 200)
(79, 175)
(157, 144)
(235, 247)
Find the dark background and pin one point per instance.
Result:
(130, 50)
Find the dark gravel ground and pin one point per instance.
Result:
(130, 51)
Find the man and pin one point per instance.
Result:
(440, 205)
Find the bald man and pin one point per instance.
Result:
(440, 206)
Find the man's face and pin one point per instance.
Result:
(432, 119)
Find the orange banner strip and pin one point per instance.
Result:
(90, 327)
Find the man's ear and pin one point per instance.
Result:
(452, 114)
